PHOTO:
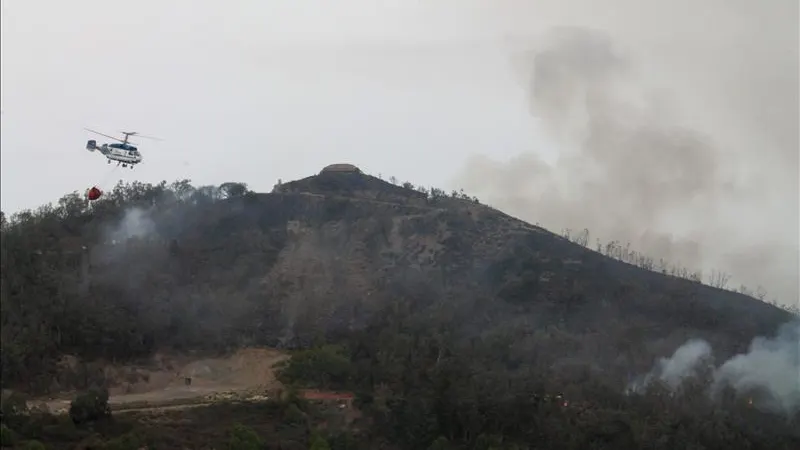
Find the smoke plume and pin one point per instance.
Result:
(135, 223)
(631, 170)
(672, 371)
(770, 364)
(769, 373)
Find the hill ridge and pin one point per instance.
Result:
(358, 242)
(381, 290)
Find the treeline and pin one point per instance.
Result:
(421, 389)
(283, 422)
(64, 289)
(717, 279)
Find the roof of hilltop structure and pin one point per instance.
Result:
(341, 167)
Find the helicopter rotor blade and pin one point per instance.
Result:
(136, 133)
(149, 137)
(101, 134)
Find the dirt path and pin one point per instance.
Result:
(245, 375)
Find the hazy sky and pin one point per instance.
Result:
(254, 91)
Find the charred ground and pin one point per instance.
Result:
(443, 305)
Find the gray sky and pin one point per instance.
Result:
(254, 91)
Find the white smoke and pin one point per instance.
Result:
(672, 371)
(770, 365)
(135, 223)
(769, 373)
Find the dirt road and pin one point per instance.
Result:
(245, 375)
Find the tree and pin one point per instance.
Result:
(440, 444)
(231, 189)
(244, 438)
(90, 406)
(7, 436)
(13, 405)
(326, 366)
(33, 445)
(318, 443)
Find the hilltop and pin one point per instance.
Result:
(404, 279)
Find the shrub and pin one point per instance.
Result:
(128, 441)
(90, 406)
(33, 445)
(319, 443)
(13, 406)
(7, 436)
(244, 438)
(327, 366)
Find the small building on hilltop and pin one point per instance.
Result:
(348, 181)
(340, 168)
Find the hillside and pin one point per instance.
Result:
(403, 279)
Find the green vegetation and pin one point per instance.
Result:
(466, 400)
(73, 284)
(90, 406)
(326, 367)
(33, 445)
(319, 443)
(243, 438)
(223, 425)
(7, 436)
(441, 356)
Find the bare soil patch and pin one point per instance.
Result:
(164, 384)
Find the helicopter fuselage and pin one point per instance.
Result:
(125, 154)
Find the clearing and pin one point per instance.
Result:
(179, 382)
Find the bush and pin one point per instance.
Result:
(294, 416)
(90, 406)
(33, 445)
(128, 441)
(244, 438)
(13, 406)
(7, 436)
(319, 443)
(328, 366)
(440, 444)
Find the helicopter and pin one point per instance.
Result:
(124, 153)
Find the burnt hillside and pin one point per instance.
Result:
(175, 266)
(457, 326)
